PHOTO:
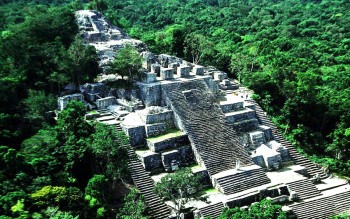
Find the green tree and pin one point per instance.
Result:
(74, 136)
(97, 194)
(37, 104)
(263, 210)
(179, 188)
(108, 147)
(197, 46)
(127, 62)
(134, 206)
(83, 62)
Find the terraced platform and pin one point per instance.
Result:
(323, 207)
(304, 188)
(233, 181)
(312, 168)
(212, 211)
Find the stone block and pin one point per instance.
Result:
(283, 190)
(227, 107)
(156, 129)
(256, 138)
(151, 161)
(241, 115)
(259, 160)
(272, 158)
(284, 151)
(103, 103)
(183, 71)
(94, 88)
(148, 77)
(198, 70)
(274, 145)
(160, 143)
(174, 65)
(273, 161)
(293, 196)
(155, 68)
(214, 87)
(170, 159)
(267, 132)
(167, 73)
(136, 134)
(246, 126)
(186, 154)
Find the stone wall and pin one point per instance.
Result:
(103, 103)
(63, 101)
(162, 117)
(148, 77)
(136, 134)
(150, 94)
(169, 143)
(278, 195)
(156, 129)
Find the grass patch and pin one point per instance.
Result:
(210, 191)
(93, 112)
(195, 167)
(170, 134)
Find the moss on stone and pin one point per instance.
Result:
(170, 134)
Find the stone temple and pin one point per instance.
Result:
(184, 115)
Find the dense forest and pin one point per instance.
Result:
(294, 54)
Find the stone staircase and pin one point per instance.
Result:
(296, 157)
(213, 141)
(304, 188)
(242, 179)
(213, 211)
(211, 137)
(325, 207)
(143, 182)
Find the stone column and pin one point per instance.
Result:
(198, 70)
(167, 73)
(183, 71)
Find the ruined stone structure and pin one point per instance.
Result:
(98, 31)
(194, 116)
(63, 101)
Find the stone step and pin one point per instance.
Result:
(240, 115)
(167, 141)
(324, 207)
(296, 157)
(212, 210)
(257, 138)
(231, 105)
(304, 188)
(246, 125)
(233, 181)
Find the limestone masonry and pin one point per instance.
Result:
(185, 115)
